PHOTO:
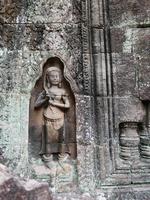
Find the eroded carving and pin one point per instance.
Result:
(52, 125)
(55, 100)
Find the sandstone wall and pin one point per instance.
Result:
(105, 48)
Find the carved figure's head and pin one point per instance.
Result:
(53, 77)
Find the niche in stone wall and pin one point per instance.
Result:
(52, 124)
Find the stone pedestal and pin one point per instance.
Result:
(61, 175)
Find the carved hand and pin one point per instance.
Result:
(52, 102)
(40, 100)
(47, 96)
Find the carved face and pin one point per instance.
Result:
(54, 77)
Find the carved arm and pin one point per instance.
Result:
(66, 103)
(42, 99)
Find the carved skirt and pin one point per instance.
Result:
(53, 141)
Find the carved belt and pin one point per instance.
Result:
(51, 120)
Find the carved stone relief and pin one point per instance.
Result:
(129, 140)
(145, 135)
(102, 60)
(52, 115)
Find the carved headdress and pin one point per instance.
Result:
(50, 69)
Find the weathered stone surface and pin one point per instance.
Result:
(61, 176)
(12, 188)
(130, 12)
(40, 11)
(21, 65)
(35, 190)
(74, 196)
(142, 53)
(129, 192)
(129, 109)
(85, 119)
(131, 61)
(124, 73)
(104, 46)
(121, 101)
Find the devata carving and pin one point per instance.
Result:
(54, 99)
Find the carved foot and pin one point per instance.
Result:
(46, 158)
(63, 157)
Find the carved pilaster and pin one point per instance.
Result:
(86, 48)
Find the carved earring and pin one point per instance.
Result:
(60, 85)
(48, 83)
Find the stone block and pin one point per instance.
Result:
(102, 117)
(130, 60)
(128, 109)
(53, 11)
(40, 11)
(13, 188)
(124, 75)
(126, 192)
(85, 167)
(11, 11)
(84, 123)
(131, 12)
(35, 190)
(118, 37)
(130, 40)
(141, 43)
